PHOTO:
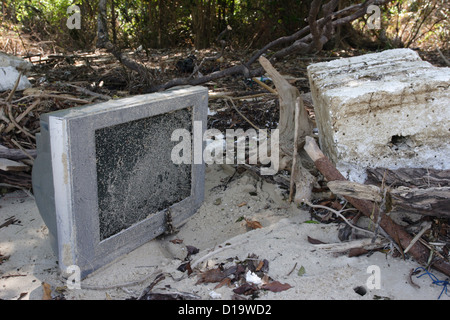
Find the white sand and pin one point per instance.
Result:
(282, 241)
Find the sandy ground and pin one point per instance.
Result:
(27, 259)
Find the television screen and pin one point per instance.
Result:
(104, 178)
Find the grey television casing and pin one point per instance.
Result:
(65, 173)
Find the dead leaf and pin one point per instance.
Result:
(276, 286)
(185, 267)
(314, 241)
(47, 295)
(225, 281)
(176, 241)
(192, 249)
(213, 275)
(246, 289)
(253, 224)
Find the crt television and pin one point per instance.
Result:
(104, 181)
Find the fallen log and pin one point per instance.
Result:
(409, 177)
(418, 251)
(430, 201)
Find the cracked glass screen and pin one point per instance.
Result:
(135, 174)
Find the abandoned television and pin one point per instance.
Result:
(104, 181)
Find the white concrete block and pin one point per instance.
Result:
(387, 109)
(9, 72)
(8, 77)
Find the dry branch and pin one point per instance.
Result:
(369, 209)
(16, 154)
(294, 125)
(306, 40)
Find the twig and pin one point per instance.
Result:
(23, 150)
(411, 281)
(443, 57)
(23, 114)
(338, 213)
(196, 262)
(122, 285)
(417, 237)
(89, 92)
(158, 278)
(14, 88)
(224, 96)
(344, 246)
(265, 86)
(23, 130)
(54, 96)
(240, 113)
(295, 153)
(292, 269)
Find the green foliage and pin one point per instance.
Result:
(170, 23)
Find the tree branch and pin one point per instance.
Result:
(301, 41)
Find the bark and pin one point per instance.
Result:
(102, 27)
(434, 201)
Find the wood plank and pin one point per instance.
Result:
(10, 165)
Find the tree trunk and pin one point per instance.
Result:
(102, 27)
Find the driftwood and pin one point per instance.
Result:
(10, 165)
(418, 251)
(16, 154)
(433, 201)
(409, 177)
(294, 126)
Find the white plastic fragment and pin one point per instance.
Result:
(251, 277)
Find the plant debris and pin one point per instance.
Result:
(248, 277)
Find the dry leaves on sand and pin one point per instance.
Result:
(253, 224)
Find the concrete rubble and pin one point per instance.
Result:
(10, 68)
(387, 109)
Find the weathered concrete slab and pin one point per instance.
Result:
(387, 109)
